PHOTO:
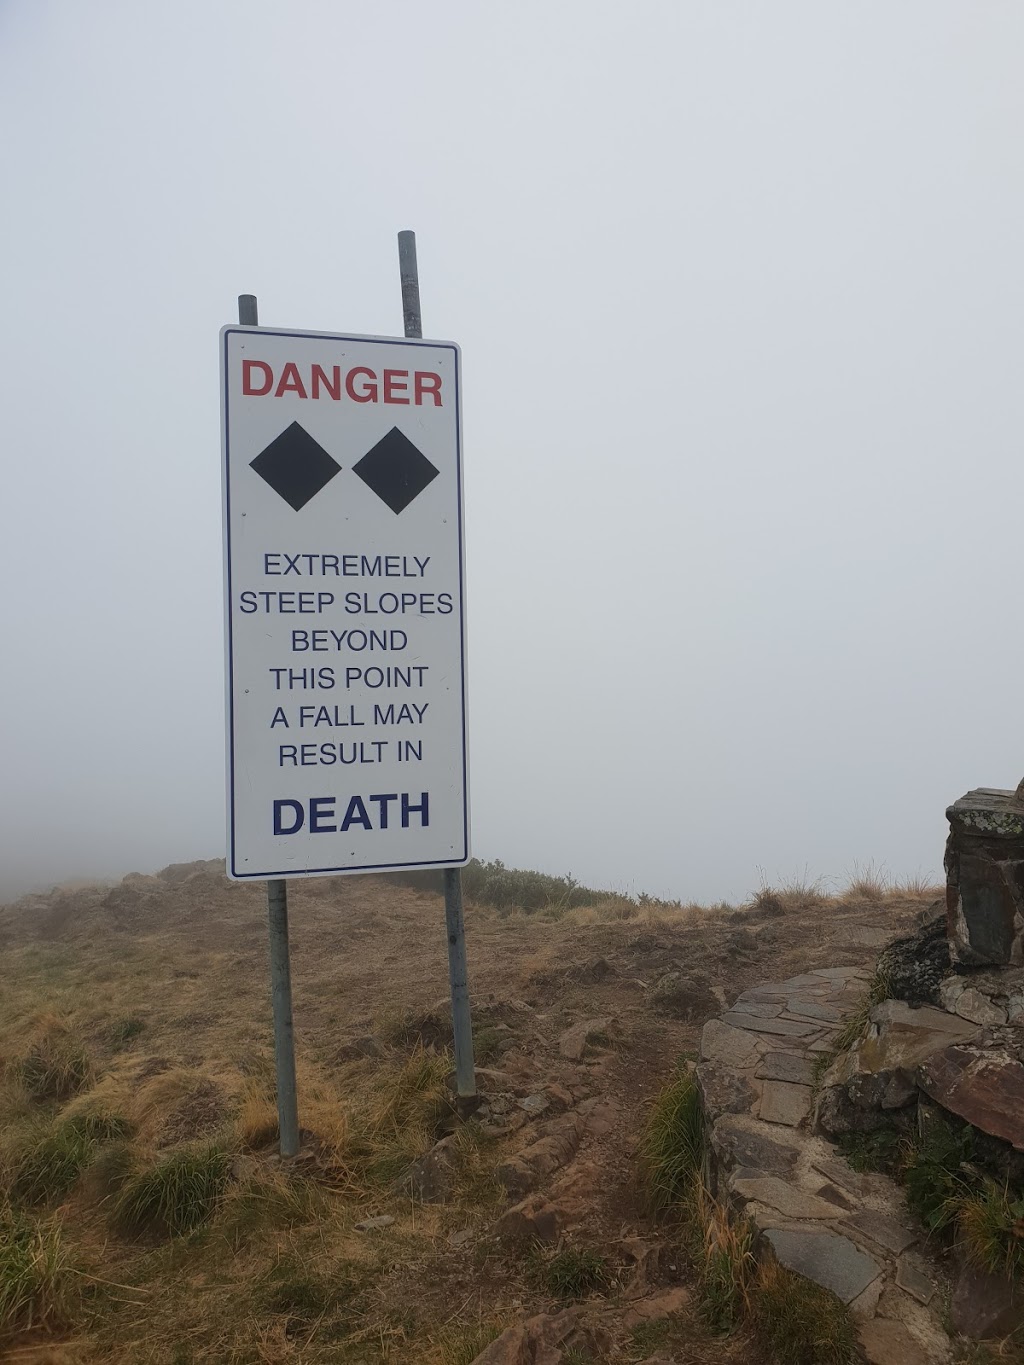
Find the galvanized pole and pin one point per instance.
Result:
(458, 972)
(280, 962)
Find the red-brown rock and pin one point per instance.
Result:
(986, 1088)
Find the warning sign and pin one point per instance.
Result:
(346, 690)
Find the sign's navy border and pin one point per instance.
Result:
(456, 860)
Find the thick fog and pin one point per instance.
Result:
(739, 292)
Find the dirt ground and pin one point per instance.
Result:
(167, 976)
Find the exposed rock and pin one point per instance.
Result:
(984, 1086)
(826, 1258)
(646, 1257)
(885, 1232)
(972, 1005)
(724, 1091)
(534, 1104)
(985, 1305)
(785, 1066)
(739, 1141)
(600, 1114)
(522, 1173)
(811, 1009)
(887, 1342)
(731, 1047)
(431, 1177)
(783, 1102)
(784, 1198)
(537, 1341)
(879, 1072)
(532, 1220)
(685, 996)
(911, 1278)
(574, 1041)
(655, 1306)
(788, 1028)
(913, 967)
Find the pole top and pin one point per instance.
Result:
(248, 313)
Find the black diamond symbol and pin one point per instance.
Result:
(295, 466)
(395, 470)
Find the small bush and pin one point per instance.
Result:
(175, 1196)
(38, 1283)
(799, 1322)
(672, 1145)
(56, 1066)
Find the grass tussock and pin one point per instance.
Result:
(799, 1322)
(461, 1343)
(868, 883)
(990, 1228)
(672, 1144)
(173, 1196)
(39, 1283)
(56, 1065)
(722, 1251)
(570, 1274)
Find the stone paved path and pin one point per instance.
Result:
(846, 1231)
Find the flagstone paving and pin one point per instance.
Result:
(846, 1231)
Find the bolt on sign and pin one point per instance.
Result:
(346, 686)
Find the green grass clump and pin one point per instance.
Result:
(990, 1227)
(672, 1145)
(49, 1163)
(461, 1343)
(56, 1066)
(572, 1273)
(799, 1322)
(856, 1025)
(50, 1157)
(175, 1196)
(38, 1283)
(883, 1150)
(936, 1171)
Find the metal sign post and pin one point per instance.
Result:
(280, 960)
(345, 625)
(458, 972)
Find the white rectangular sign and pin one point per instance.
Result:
(346, 688)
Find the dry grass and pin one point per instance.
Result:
(39, 1283)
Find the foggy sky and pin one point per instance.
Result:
(739, 292)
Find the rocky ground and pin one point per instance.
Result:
(580, 1017)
